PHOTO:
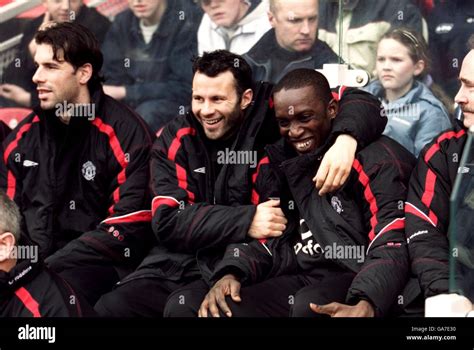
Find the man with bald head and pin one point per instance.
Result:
(427, 207)
(292, 43)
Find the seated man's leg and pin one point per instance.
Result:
(185, 302)
(91, 281)
(323, 290)
(141, 297)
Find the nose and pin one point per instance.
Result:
(386, 65)
(38, 77)
(295, 131)
(207, 108)
(65, 5)
(461, 97)
(305, 27)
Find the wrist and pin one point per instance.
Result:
(369, 310)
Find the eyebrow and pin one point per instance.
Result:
(466, 81)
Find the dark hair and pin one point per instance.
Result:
(10, 217)
(303, 77)
(216, 62)
(78, 45)
(470, 42)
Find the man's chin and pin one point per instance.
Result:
(468, 119)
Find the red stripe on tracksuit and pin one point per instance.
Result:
(118, 153)
(11, 180)
(369, 196)
(180, 171)
(255, 196)
(445, 136)
(139, 216)
(30, 303)
(163, 201)
(411, 209)
(430, 181)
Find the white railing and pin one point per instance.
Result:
(15, 8)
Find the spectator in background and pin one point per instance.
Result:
(24, 281)
(451, 23)
(364, 23)
(77, 167)
(415, 114)
(147, 55)
(233, 25)
(18, 88)
(291, 44)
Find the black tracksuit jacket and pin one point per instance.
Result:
(367, 211)
(427, 209)
(196, 214)
(31, 290)
(85, 185)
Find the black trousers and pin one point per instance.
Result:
(91, 281)
(281, 296)
(141, 297)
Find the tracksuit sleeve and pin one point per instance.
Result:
(258, 260)
(10, 167)
(385, 270)
(427, 219)
(359, 115)
(180, 223)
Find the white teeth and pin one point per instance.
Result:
(213, 121)
(303, 145)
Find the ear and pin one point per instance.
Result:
(419, 67)
(7, 243)
(271, 18)
(84, 73)
(332, 109)
(246, 99)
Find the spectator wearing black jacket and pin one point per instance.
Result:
(27, 288)
(19, 89)
(450, 24)
(344, 251)
(77, 167)
(147, 54)
(203, 164)
(292, 43)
